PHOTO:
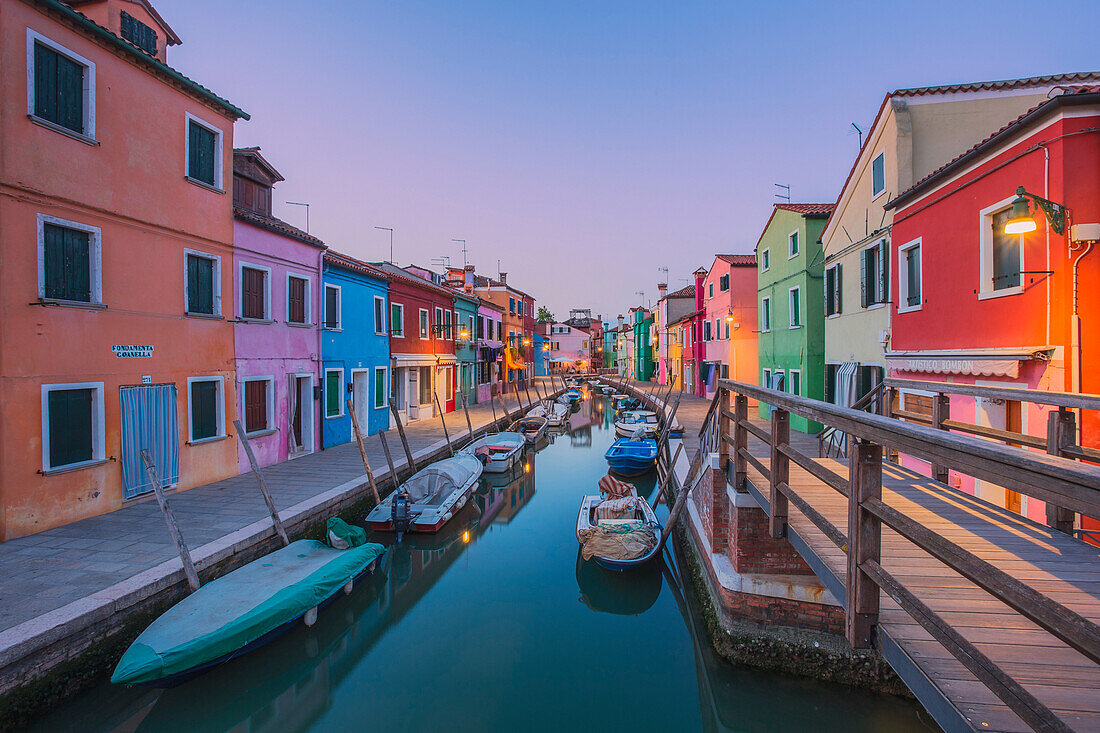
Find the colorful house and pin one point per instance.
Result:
(542, 349)
(915, 132)
(356, 356)
(105, 288)
(670, 308)
(610, 337)
(644, 368)
(513, 304)
(791, 316)
(466, 351)
(569, 347)
(730, 303)
(276, 334)
(1001, 309)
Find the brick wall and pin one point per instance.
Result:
(752, 549)
(772, 611)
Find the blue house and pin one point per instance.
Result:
(541, 350)
(355, 355)
(466, 305)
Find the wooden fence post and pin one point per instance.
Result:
(941, 410)
(780, 471)
(740, 442)
(723, 430)
(886, 409)
(864, 541)
(469, 425)
(404, 440)
(263, 484)
(363, 452)
(170, 520)
(1061, 432)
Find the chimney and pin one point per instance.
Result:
(662, 289)
(700, 276)
(620, 320)
(503, 278)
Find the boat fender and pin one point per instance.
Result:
(348, 586)
(461, 503)
(310, 616)
(446, 516)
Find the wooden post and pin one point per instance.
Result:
(363, 452)
(864, 541)
(466, 409)
(740, 442)
(263, 485)
(503, 409)
(404, 440)
(528, 393)
(941, 410)
(394, 478)
(170, 520)
(537, 393)
(723, 430)
(494, 408)
(446, 434)
(1061, 432)
(780, 470)
(886, 409)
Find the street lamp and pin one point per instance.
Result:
(1020, 220)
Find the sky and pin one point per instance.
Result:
(583, 145)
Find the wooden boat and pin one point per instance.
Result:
(497, 452)
(632, 421)
(557, 413)
(432, 496)
(532, 428)
(573, 394)
(629, 457)
(640, 518)
(242, 611)
(608, 391)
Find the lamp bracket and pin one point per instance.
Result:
(1056, 213)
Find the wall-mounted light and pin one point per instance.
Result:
(1021, 221)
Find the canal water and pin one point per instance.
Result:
(496, 624)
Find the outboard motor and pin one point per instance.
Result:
(638, 434)
(400, 513)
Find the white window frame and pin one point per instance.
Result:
(88, 136)
(765, 260)
(423, 316)
(835, 267)
(217, 275)
(240, 292)
(875, 194)
(903, 277)
(309, 298)
(95, 258)
(792, 238)
(339, 308)
(790, 380)
(380, 328)
(99, 451)
(401, 307)
(766, 309)
(324, 397)
(886, 253)
(385, 390)
(270, 427)
(219, 185)
(791, 311)
(220, 430)
(985, 244)
(767, 378)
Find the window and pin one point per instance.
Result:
(796, 381)
(380, 387)
(710, 290)
(259, 400)
(832, 290)
(511, 305)
(448, 378)
(519, 307)
(878, 174)
(909, 277)
(204, 153)
(765, 260)
(334, 392)
(68, 261)
(380, 315)
(1006, 251)
(481, 327)
(333, 306)
(717, 328)
(203, 283)
(72, 425)
(727, 330)
(255, 293)
(795, 303)
(297, 300)
(139, 34)
(425, 385)
(767, 382)
(706, 330)
(724, 283)
(765, 314)
(423, 323)
(206, 408)
(397, 319)
(874, 263)
(63, 89)
(792, 245)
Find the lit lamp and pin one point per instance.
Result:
(464, 334)
(526, 342)
(1021, 221)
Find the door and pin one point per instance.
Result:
(1003, 415)
(360, 399)
(149, 420)
(302, 425)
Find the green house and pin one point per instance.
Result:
(644, 367)
(791, 346)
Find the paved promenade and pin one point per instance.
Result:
(48, 570)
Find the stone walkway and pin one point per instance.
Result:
(50, 569)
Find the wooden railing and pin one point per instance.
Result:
(1052, 478)
(832, 443)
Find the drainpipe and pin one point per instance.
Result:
(317, 414)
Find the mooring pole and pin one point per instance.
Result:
(469, 425)
(263, 485)
(389, 459)
(404, 440)
(363, 453)
(442, 420)
(170, 520)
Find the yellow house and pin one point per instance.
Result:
(915, 131)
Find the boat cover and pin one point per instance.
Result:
(433, 484)
(613, 487)
(240, 607)
(626, 541)
(342, 535)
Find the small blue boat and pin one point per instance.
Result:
(573, 394)
(628, 457)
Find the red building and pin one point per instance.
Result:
(529, 335)
(973, 304)
(422, 355)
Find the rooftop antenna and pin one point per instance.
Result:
(783, 196)
(300, 203)
(860, 135)
(464, 250)
(641, 296)
(390, 230)
(664, 270)
(443, 261)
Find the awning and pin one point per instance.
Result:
(419, 360)
(513, 358)
(972, 362)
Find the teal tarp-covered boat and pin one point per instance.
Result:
(242, 610)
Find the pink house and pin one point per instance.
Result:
(729, 297)
(671, 307)
(569, 347)
(280, 312)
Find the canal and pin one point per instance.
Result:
(496, 624)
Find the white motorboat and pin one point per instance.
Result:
(497, 452)
(430, 497)
(632, 421)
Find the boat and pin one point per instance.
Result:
(630, 421)
(532, 428)
(628, 404)
(619, 533)
(243, 610)
(555, 412)
(608, 391)
(430, 497)
(632, 456)
(572, 394)
(497, 451)
(594, 382)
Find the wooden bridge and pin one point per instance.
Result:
(990, 618)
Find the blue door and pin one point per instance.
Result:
(149, 421)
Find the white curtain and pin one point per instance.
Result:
(292, 406)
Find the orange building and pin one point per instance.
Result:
(116, 291)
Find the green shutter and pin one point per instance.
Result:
(58, 89)
(883, 294)
(204, 410)
(200, 285)
(201, 148)
(332, 394)
(863, 274)
(70, 420)
(379, 387)
(67, 271)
